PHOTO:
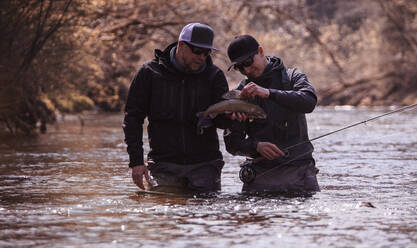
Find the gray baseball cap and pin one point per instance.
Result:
(197, 34)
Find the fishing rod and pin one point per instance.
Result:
(356, 124)
(247, 174)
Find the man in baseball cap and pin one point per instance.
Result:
(170, 90)
(197, 34)
(194, 45)
(242, 48)
(280, 144)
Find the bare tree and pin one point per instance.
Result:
(26, 28)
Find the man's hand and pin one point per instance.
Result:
(251, 90)
(137, 175)
(269, 150)
(238, 116)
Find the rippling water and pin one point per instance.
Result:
(71, 188)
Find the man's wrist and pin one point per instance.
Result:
(269, 94)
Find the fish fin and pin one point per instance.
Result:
(227, 132)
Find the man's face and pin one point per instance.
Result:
(192, 57)
(254, 69)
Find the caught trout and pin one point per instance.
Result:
(251, 110)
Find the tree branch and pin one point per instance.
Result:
(316, 38)
(150, 24)
(37, 45)
(411, 41)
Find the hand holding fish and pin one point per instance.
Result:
(251, 90)
(269, 150)
(240, 116)
(137, 175)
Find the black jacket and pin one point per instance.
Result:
(170, 99)
(291, 95)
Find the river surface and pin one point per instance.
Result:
(71, 188)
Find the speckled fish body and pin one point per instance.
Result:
(232, 105)
(233, 94)
(251, 110)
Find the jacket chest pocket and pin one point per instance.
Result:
(281, 120)
(281, 129)
(163, 99)
(197, 99)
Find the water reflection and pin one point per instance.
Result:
(71, 187)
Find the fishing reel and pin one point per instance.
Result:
(247, 174)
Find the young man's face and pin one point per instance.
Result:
(192, 57)
(254, 69)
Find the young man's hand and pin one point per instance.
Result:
(269, 151)
(238, 116)
(251, 90)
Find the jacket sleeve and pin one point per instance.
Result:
(302, 98)
(237, 142)
(136, 110)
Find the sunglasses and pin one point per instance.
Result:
(198, 50)
(245, 63)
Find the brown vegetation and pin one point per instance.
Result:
(71, 56)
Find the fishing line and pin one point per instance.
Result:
(330, 133)
(355, 124)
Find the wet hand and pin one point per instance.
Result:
(137, 175)
(269, 150)
(238, 116)
(251, 90)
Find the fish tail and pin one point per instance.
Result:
(203, 122)
(200, 115)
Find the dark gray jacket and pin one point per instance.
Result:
(291, 96)
(170, 99)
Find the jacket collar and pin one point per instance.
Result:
(275, 64)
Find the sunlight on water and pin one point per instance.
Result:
(72, 188)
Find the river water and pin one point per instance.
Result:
(71, 188)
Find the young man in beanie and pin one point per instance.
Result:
(280, 145)
(170, 90)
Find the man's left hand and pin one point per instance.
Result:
(251, 90)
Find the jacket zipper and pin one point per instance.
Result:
(182, 118)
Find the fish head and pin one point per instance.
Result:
(262, 115)
(233, 94)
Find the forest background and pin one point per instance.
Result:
(69, 56)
